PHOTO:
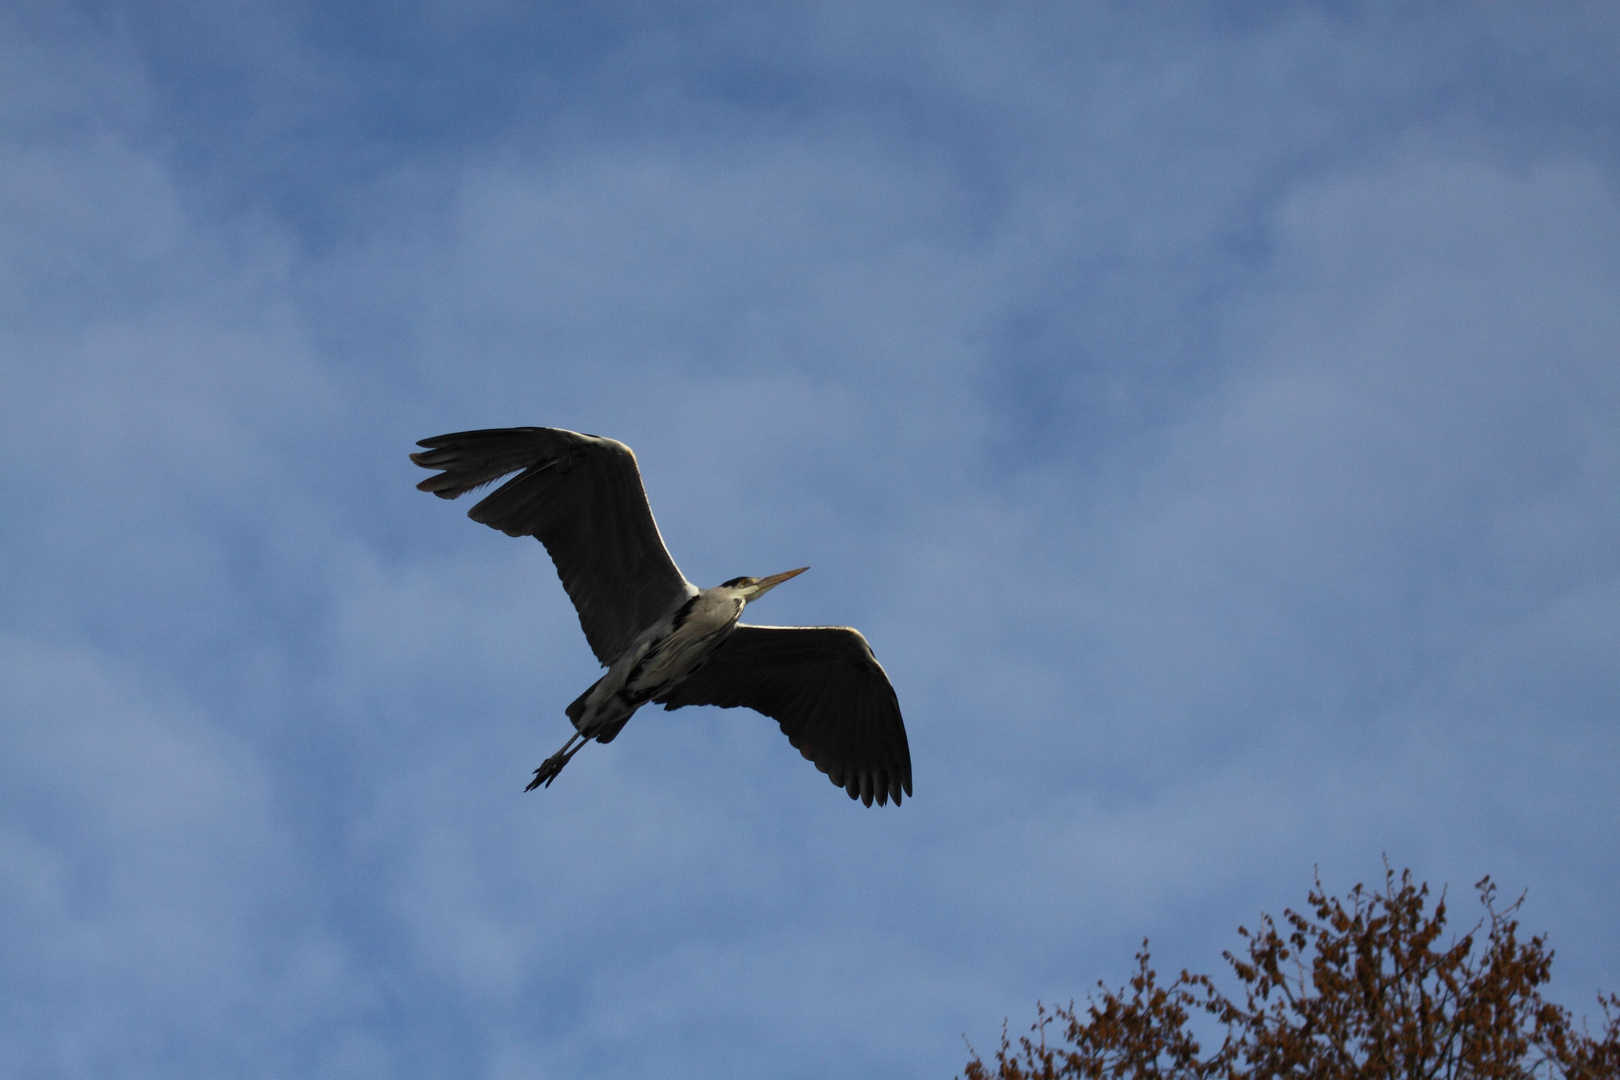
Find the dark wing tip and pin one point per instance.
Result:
(872, 786)
(468, 460)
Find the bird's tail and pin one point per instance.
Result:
(607, 723)
(577, 709)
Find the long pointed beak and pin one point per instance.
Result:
(765, 585)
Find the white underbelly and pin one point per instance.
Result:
(678, 654)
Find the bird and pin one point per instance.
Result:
(662, 639)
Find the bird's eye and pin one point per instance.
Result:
(736, 582)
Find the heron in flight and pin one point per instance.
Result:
(662, 638)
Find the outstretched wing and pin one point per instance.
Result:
(581, 497)
(825, 688)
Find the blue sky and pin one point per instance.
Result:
(1212, 417)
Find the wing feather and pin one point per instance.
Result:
(824, 687)
(580, 496)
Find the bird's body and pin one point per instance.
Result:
(661, 638)
(661, 656)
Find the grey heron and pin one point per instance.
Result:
(662, 638)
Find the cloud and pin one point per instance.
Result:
(145, 875)
(1210, 424)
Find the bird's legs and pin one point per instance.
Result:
(549, 768)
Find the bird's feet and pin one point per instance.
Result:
(548, 770)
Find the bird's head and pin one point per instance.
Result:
(752, 588)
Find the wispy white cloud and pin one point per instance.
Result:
(1210, 423)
